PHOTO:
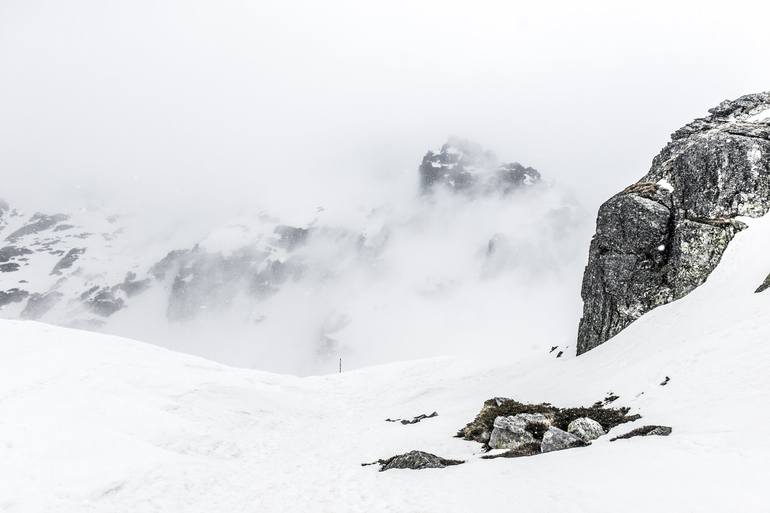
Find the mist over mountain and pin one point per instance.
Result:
(412, 277)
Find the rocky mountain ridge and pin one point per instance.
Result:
(86, 269)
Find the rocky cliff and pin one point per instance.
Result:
(660, 238)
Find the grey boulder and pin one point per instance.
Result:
(586, 429)
(556, 439)
(514, 431)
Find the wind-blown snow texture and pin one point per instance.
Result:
(89, 422)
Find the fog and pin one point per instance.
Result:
(192, 113)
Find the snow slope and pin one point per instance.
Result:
(90, 422)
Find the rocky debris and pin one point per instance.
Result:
(13, 295)
(480, 429)
(660, 238)
(68, 260)
(37, 223)
(610, 398)
(586, 429)
(464, 166)
(415, 460)
(9, 267)
(556, 439)
(39, 304)
(645, 431)
(414, 420)
(514, 431)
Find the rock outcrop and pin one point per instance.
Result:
(465, 167)
(660, 238)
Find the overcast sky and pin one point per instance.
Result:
(229, 102)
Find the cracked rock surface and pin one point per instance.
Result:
(660, 238)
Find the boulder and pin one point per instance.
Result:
(586, 429)
(515, 431)
(556, 439)
(660, 238)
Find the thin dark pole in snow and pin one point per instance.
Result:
(340, 365)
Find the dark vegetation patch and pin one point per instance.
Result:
(415, 460)
(645, 431)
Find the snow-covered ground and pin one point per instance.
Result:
(90, 422)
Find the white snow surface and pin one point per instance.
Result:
(95, 423)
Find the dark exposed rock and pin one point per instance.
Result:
(102, 301)
(68, 260)
(9, 252)
(464, 166)
(289, 237)
(414, 420)
(131, 286)
(13, 295)
(645, 431)
(480, 429)
(37, 223)
(660, 238)
(764, 285)
(665, 381)
(415, 460)
(9, 267)
(171, 261)
(39, 304)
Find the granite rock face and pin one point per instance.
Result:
(660, 238)
(462, 166)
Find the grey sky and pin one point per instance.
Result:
(234, 102)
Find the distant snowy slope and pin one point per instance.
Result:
(90, 422)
